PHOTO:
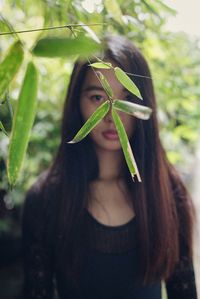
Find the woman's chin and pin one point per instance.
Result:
(110, 146)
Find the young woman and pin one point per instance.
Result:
(89, 231)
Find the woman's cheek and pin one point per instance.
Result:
(87, 111)
(126, 119)
(128, 122)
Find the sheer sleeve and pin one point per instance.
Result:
(37, 258)
(182, 282)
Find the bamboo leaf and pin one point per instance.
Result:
(127, 82)
(139, 111)
(101, 65)
(92, 121)
(10, 65)
(113, 8)
(90, 32)
(65, 47)
(3, 129)
(22, 123)
(165, 7)
(152, 7)
(130, 160)
(105, 84)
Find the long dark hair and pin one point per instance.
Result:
(161, 202)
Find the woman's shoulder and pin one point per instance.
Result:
(37, 203)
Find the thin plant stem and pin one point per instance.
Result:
(50, 28)
(132, 74)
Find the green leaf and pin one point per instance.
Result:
(166, 8)
(136, 110)
(152, 8)
(22, 123)
(125, 146)
(10, 65)
(65, 47)
(113, 8)
(3, 129)
(127, 82)
(92, 121)
(101, 65)
(91, 33)
(105, 84)
(6, 26)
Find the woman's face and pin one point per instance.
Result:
(104, 135)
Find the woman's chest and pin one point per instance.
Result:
(111, 276)
(111, 206)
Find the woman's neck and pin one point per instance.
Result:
(110, 164)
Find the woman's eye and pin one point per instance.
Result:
(97, 98)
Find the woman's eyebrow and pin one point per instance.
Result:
(100, 88)
(93, 87)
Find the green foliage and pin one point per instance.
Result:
(92, 121)
(114, 10)
(127, 82)
(105, 84)
(101, 65)
(65, 47)
(126, 146)
(139, 111)
(175, 63)
(10, 65)
(22, 124)
(121, 76)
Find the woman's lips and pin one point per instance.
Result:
(110, 135)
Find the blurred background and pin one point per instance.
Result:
(167, 32)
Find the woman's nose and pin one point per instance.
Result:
(108, 116)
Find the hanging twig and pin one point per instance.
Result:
(51, 28)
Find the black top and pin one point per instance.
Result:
(111, 269)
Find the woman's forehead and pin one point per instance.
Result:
(92, 78)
